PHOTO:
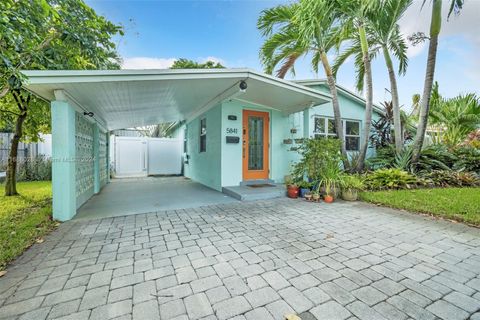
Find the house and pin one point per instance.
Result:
(238, 123)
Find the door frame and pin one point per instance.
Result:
(256, 174)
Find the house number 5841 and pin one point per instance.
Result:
(232, 130)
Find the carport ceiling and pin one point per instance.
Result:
(131, 98)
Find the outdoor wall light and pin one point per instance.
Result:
(243, 85)
(90, 113)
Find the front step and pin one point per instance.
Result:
(257, 181)
(249, 193)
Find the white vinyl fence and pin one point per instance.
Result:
(25, 150)
(141, 156)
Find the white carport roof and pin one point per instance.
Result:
(131, 98)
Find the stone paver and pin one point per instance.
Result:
(245, 261)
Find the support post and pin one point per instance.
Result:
(96, 159)
(306, 123)
(63, 160)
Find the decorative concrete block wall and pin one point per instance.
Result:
(84, 163)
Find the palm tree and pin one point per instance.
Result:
(383, 33)
(455, 118)
(295, 30)
(355, 16)
(435, 27)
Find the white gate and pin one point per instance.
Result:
(139, 156)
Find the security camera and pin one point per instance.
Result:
(243, 85)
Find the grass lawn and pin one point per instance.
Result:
(24, 218)
(462, 204)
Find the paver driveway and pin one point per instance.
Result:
(254, 260)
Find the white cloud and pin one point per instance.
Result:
(213, 59)
(147, 63)
(417, 19)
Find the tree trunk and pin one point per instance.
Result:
(435, 26)
(11, 179)
(397, 121)
(336, 106)
(369, 100)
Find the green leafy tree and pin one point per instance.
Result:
(183, 63)
(45, 34)
(384, 37)
(435, 27)
(296, 30)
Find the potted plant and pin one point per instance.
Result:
(329, 187)
(292, 189)
(305, 187)
(316, 196)
(330, 174)
(350, 185)
(308, 196)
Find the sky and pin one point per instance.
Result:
(157, 32)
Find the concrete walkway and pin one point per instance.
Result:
(255, 261)
(139, 195)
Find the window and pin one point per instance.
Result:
(203, 135)
(352, 135)
(325, 128)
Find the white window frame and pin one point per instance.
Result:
(344, 122)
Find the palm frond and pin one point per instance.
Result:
(275, 17)
(287, 65)
(353, 49)
(455, 7)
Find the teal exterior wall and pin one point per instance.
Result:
(221, 165)
(350, 109)
(232, 169)
(205, 167)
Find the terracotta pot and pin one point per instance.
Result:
(328, 198)
(292, 191)
(350, 195)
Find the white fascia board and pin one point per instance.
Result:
(81, 76)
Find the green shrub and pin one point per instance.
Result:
(316, 154)
(384, 158)
(436, 157)
(468, 159)
(352, 182)
(448, 178)
(390, 179)
(38, 169)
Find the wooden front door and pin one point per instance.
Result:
(256, 128)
